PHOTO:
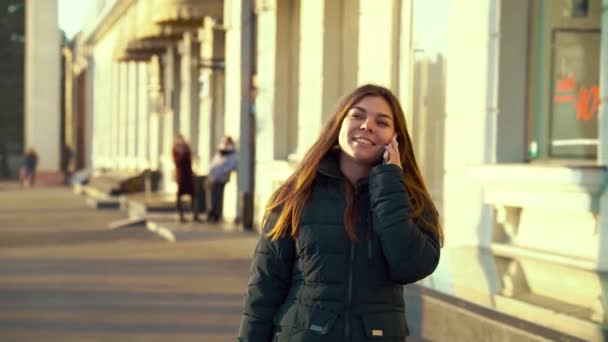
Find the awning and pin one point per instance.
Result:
(149, 46)
(127, 56)
(149, 36)
(149, 26)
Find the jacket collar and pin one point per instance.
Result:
(330, 164)
(330, 167)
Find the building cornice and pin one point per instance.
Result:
(107, 20)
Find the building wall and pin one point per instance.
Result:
(493, 196)
(334, 55)
(106, 97)
(233, 95)
(471, 109)
(42, 85)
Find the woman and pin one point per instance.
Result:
(182, 158)
(347, 229)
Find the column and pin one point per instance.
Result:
(89, 116)
(143, 156)
(189, 51)
(115, 114)
(473, 48)
(132, 115)
(603, 135)
(207, 116)
(379, 21)
(328, 61)
(155, 103)
(42, 121)
(123, 123)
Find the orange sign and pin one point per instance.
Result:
(587, 102)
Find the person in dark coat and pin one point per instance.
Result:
(182, 158)
(344, 233)
(28, 170)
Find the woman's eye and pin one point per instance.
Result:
(383, 124)
(356, 115)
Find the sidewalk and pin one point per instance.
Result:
(67, 277)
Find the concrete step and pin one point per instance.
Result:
(128, 222)
(102, 203)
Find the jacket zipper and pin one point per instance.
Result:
(349, 293)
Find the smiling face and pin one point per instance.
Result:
(366, 128)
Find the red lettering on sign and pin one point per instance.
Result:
(569, 84)
(586, 104)
(564, 98)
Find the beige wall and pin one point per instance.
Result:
(334, 55)
(105, 101)
(232, 17)
(472, 49)
(42, 83)
(378, 42)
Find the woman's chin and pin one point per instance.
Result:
(366, 158)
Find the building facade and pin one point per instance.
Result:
(503, 111)
(143, 72)
(503, 100)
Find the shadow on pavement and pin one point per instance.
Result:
(19, 239)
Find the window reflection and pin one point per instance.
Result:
(429, 47)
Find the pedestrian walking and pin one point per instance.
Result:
(223, 163)
(347, 229)
(27, 173)
(182, 158)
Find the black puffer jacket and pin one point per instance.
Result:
(322, 286)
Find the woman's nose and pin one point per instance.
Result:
(366, 126)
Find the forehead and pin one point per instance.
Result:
(374, 104)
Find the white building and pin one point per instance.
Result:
(502, 98)
(502, 101)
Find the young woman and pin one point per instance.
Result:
(347, 229)
(182, 158)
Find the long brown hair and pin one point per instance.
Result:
(293, 194)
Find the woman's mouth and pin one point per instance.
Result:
(364, 141)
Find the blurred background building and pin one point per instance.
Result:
(502, 98)
(12, 34)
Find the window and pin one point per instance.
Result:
(563, 74)
(429, 55)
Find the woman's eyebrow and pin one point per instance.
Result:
(379, 113)
(385, 116)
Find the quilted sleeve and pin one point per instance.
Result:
(269, 281)
(411, 253)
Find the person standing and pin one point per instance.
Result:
(344, 233)
(182, 158)
(223, 163)
(28, 171)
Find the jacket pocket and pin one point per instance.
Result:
(385, 325)
(312, 320)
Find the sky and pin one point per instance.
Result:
(71, 15)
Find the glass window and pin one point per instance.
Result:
(564, 79)
(429, 55)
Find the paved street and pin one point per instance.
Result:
(66, 277)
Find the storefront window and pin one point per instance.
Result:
(429, 49)
(564, 79)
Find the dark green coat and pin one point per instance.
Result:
(322, 286)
